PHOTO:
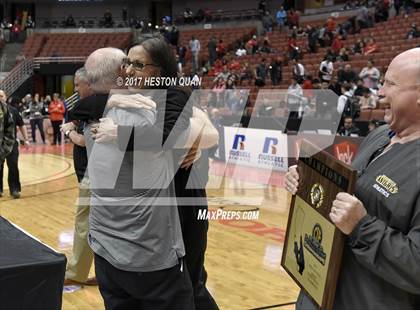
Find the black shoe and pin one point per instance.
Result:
(15, 195)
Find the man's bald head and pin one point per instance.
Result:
(401, 92)
(407, 66)
(103, 67)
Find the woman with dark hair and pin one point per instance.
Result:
(153, 57)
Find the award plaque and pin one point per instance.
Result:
(314, 246)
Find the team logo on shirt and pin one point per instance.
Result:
(317, 195)
(385, 185)
(313, 244)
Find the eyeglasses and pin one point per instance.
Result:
(137, 65)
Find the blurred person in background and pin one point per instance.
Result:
(35, 117)
(56, 111)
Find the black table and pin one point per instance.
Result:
(31, 274)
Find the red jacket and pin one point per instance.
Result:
(56, 110)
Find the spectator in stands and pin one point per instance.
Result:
(267, 22)
(199, 17)
(326, 70)
(195, 48)
(312, 34)
(221, 49)
(212, 49)
(208, 16)
(341, 30)
(261, 72)
(321, 36)
(323, 104)
(265, 47)
(262, 7)
(224, 75)
(348, 105)
(397, 6)
(335, 86)
(330, 25)
(362, 18)
(359, 90)
(413, 32)
(294, 98)
(188, 16)
(276, 71)
(124, 16)
(246, 73)
(298, 71)
(293, 18)
(370, 75)
(241, 51)
(252, 45)
(381, 12)
(281, 18)
(367, 101)
(348, 130)
(294, 51)
(371, 47)
(70, 21)
(182, 52)
(108, 21)
(337, 45)
(15, 32)
(358, 46)
(35, 116)
(343, 55)
(30, 23)
(347, 75)
(56, 110)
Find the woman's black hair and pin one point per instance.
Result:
(161, 53)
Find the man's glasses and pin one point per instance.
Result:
(137, 65)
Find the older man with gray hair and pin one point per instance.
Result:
(134, 227)
(79, 264)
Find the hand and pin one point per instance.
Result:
(193, 155)
(68, 126)
(346, 212)
(104, 131)
(292, 180)
(26, 144)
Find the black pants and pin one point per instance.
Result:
(37, 123)
(194, 233)
(168, 289)
(56, 131)
(12, 165)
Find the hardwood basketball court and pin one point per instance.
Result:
(243, 256)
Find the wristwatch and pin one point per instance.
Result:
(67, 133)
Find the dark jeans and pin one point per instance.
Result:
(37, 123)
(12, 165)
(56, 131)
(168, 289)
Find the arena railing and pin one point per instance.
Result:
(19, 74)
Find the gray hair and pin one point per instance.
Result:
(81, 74)
(102, 68)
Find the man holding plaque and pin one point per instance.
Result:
(381, 260)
